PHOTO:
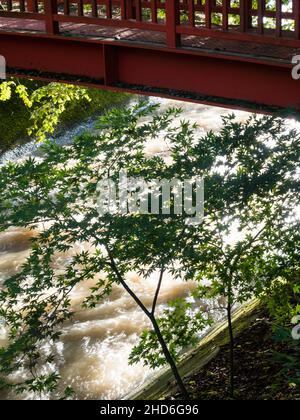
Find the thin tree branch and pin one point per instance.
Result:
(157, 290)
(125, 285)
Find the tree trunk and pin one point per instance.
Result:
(169, 359)
(231, 343)
(152, 318)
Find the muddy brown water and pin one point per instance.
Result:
(92, 355)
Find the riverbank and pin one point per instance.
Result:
(206, 367)
(258, 376)
(15, 117)
(161, 385)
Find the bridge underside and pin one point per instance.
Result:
(225, 72)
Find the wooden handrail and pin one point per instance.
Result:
(243, 21)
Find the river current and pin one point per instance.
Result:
(93, 352)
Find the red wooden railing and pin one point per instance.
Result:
(267, 21)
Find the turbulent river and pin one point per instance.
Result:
(93, 352)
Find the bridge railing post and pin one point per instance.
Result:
(296, 12)
(31, 6)
(245, 15)
(172, 20)
(52, 27)
(130, 9)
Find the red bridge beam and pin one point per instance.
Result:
(222, 79)
(163, 70)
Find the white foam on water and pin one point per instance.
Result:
(92, 355)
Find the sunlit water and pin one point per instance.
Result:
(93, 352)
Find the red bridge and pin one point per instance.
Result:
(236, 53)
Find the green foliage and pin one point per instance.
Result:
(251, 188)
(36, 385)
(284, 306)
(69, 393)
(282, 298)
(180, 325)
(290, 361)
(47, 103)
(38, 109)
(252, 199)
(35, 302)
(5, 91)
(14, 117)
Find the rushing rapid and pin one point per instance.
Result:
(93, 352)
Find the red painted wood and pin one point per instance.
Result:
(172, 21)
(133, 10)
(246, 15)
(225, 15)
(249, 81)
(296, 14)
(80, 7)
(154, 11)
(278, 17)
(234, 35)
(66, 7)
(32, 6)
(108, 9)
(25, 15)
(171, 69)
(164, 67)
(138, 10)
(110, 22)
(9, 5)
(22, 6)
(52, 27)
(208, 9)
(123, 9)
(260, 15)
(110, 59)
(130, 9)
(191, 9)
(94, 8)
